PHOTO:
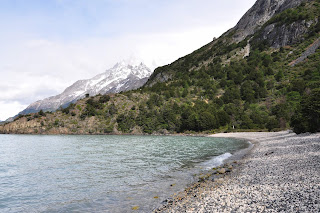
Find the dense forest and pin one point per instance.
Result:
(224, 86)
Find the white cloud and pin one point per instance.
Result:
(39, 68)
(34, 65)
(9, 109)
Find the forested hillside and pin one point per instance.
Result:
(268, 81)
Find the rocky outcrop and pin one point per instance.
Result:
(45, 125)
(310, 50)
(21, 126)
(283, 35)
(159, 78)
(259, 14)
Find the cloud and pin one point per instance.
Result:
(47, 47)
(39, 68)
(9, 109)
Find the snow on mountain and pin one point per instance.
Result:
(122, 77)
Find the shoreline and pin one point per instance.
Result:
(281, 172)
(229, 164)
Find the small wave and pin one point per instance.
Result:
(216, 161)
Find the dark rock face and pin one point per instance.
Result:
(259, 14)
(280, 36)
(159, 78)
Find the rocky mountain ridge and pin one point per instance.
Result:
(121, 77)
(259, 14)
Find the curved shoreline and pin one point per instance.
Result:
(280, 173)
(240, 154)
(194, 187)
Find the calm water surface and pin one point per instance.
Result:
(101, 173)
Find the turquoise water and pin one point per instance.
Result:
(101, 173)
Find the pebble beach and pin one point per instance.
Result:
(281, 173)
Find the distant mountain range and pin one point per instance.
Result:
(121, 77)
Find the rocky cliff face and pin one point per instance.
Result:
(21, 126)
(259, 14)
(283, 35)
(122, 77)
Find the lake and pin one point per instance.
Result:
(102, 173)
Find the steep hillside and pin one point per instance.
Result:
(263, 76)
(235, 44)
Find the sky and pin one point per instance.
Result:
(48, 45)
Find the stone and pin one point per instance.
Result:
(135, 208)
(222, 170)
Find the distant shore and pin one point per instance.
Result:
(280, 173)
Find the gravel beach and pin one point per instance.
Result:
(281, 173)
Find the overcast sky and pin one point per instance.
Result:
(46, 45)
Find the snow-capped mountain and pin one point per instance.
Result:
(122, 77)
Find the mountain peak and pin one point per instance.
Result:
(123, 76)
(131, 61)
(125, 63)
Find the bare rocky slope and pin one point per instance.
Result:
(259, 14)
(310, 50)
(121, 77)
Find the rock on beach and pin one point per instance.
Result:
(280, 174)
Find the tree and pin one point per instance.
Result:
(267, 60)
(207, 121)
(279, 75)
(269, 71)
(281, 110)
(272, 123)
(126, 121)
(298, 85)
(247, 123)
(247, 92)
(112, 110)
(184, 93)
(307, 117)
(223, 118)
(104, 99)
(231, 94)
(299, 123)
(41, 113)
